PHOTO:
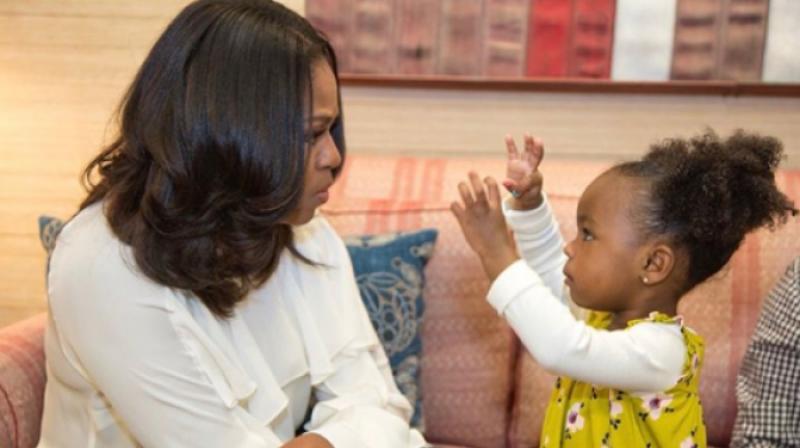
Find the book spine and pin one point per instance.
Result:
(781, 63)
(506, 37)
(697, 40)
(549, 29)
(593, 37)
(461, 38)
(373, 46)
(643, 36)
(417, 36)
(744, 31)
(332, 17)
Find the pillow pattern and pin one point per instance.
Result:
(390, 274)
(49, 228)
(389, 271)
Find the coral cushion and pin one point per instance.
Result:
(22, 380)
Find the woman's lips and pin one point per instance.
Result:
(567, 279)
(323, 196)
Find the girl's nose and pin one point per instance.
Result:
(569, 249)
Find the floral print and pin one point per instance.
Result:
(574, 419)
(616, 408)
(688, 443)
(655, 404)
(581, 414)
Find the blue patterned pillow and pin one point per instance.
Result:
(49, 228)
(389, 270)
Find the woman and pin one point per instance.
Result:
(195, 300)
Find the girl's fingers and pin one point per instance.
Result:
(528, 139)
(466, 194)
(477, 187)
(493, 192)
(460, 214)
(457, 210)
(534, 151)
(510, 185)
(511, 148)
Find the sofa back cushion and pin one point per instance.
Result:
(22, 379)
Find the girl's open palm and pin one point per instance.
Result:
(480, 216)
(523, 178)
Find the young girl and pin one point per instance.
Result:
(648, 232)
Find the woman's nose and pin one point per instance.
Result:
(329, 155)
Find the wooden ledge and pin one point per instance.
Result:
(574, 85)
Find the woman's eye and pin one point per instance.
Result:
(586, 235)
(317, 134)
(312, 137)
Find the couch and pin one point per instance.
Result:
(480, 388)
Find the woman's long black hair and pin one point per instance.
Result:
(210, 154)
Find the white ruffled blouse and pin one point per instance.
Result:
(133, 363)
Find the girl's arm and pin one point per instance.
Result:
(647, 357)
(528, 213)
(540, 244)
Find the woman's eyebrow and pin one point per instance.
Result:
(323, 118)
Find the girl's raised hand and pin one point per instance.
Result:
(523, 178)
(483, 224)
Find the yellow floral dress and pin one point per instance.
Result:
(582, 415)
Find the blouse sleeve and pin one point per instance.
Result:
(529, 294)
(125, 336)
(359, 404)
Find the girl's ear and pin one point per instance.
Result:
(658, 264)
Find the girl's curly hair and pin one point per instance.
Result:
(706, 193)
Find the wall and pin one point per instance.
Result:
(65, 63)
(612, 126)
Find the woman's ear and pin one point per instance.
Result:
(658, 264)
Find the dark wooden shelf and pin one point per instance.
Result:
(575, 85)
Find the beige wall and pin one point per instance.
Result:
(65, 63)
(586, 125)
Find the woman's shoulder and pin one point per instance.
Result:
(90, 265)
(83, 239)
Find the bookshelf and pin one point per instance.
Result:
(575, 85)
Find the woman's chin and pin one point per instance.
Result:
(301, 216)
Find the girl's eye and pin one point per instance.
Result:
(586, 235)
